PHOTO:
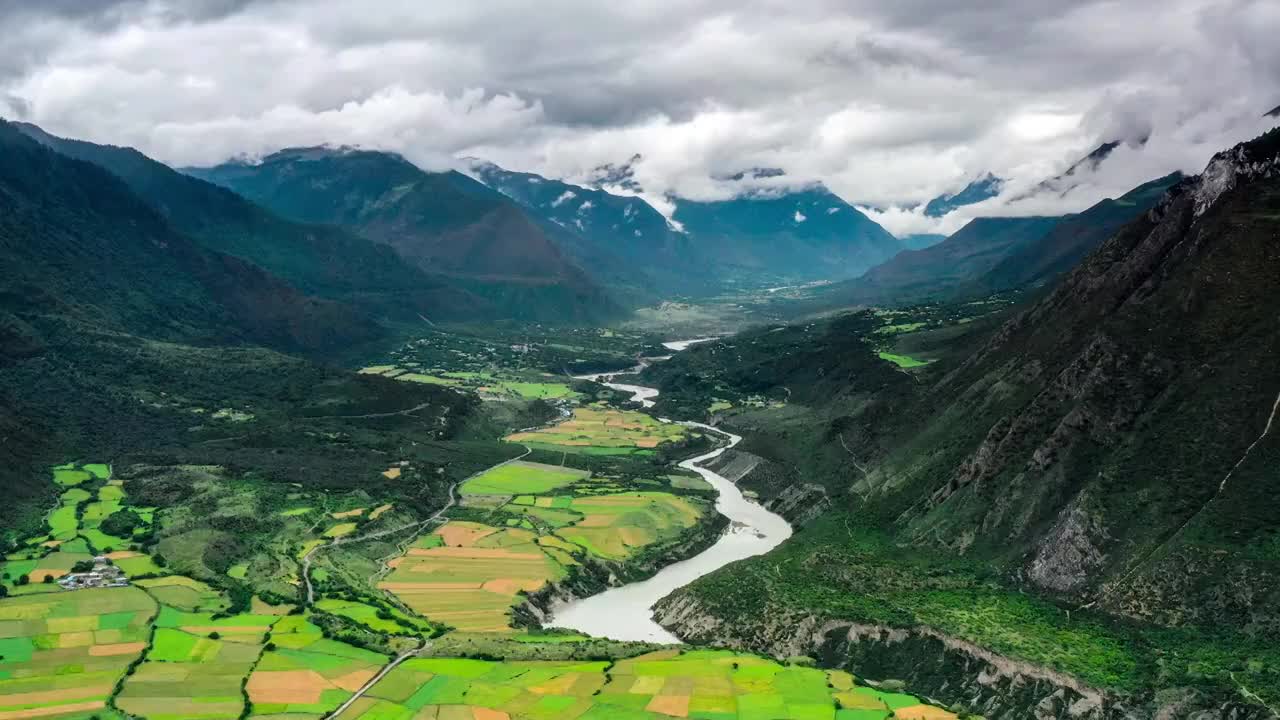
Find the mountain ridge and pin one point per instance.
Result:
(445, 223)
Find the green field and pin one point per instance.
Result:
(902, 361)
(305, 675)
(492, 385)
(62, 654)
(369, 616)
(469, 574)
(716, 685)
(522, 477)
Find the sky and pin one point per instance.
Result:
(887, 103)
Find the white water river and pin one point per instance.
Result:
(626, 612)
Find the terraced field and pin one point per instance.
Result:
(548, 519)
(598, 430)
(715, 685)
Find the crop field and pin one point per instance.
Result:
(715, 685)
(604, 431)
(471, 576)
(367, 615)
(519, 478)
(73, 534)
(306, 676)
(185, 594)
(613, 526)
(62, 654)
(195, 665)
(468, 574)
(491, 385)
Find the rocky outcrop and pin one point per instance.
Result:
(779, 489)
(943, 669)
(1072, 551)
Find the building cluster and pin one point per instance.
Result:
(103, 574)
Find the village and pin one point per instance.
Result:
(100, 573)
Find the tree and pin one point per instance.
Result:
(24, 579)
(82, 566)
(48, 579)
(215, 635)
(4, 591)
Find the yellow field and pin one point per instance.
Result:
(604, 429)
(470, 578)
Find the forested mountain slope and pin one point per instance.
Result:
(444, 223)
(1110, 450)
(326, 261)
(621, 239)
(808, 234)
(97, 287)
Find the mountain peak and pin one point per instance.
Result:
(1257, 159)
(984, 188)
(620, 175)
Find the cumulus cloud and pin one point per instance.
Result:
(887, 104)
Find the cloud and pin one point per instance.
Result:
(888, 104)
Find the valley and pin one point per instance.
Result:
(349, 606)
(326, 434)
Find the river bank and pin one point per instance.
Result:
(626, 612)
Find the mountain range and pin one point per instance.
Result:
(805, 234)
(993, 254)
(442, 223)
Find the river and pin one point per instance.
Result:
(626, 612)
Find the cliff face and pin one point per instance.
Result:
(946, 670)
(1125, 418)
(777, 488)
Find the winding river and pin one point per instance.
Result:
(626, 612)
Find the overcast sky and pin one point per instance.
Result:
(888, 103)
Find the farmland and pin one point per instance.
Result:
(598, 430)
(542, 522)
(303, 674)
(62, 654)
(698, 684)
(496, 385)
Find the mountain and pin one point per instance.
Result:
(320, 260)
(444, 223)
(1071, 239)
(808, 234)
(1097, 467)
(921, 241)
(940, 270)
(995, 254)
(984, 188)
(1070, 178)
(77, 239)
(619, 238)
(86, 260)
